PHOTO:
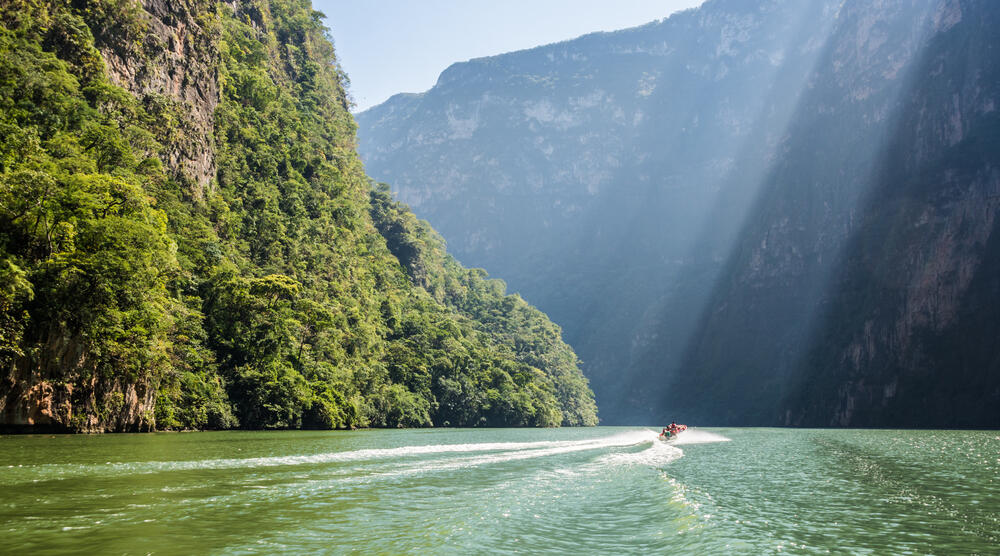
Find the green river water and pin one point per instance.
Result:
(604, 490)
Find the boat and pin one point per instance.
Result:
(670, 435)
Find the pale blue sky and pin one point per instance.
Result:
(393, 46)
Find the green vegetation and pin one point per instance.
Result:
(285, 293)
(520, 338)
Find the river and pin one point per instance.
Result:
(603, 490)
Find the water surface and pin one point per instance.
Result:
(596, 490)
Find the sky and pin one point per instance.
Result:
(395, 46)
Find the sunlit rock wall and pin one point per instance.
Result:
(766, 212)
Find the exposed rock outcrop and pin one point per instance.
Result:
(171, 63)
(62, 393)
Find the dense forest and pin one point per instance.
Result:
(188, 240)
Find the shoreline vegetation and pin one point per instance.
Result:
(188, 241)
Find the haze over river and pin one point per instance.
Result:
(588, 490)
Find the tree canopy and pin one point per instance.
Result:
(288, 292)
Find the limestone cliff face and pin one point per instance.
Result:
(850, 299)
(790, 218)
(172, 60)
(78, 399)
(926, 242)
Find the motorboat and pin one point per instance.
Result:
(671, 433)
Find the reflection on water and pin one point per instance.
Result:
(565, 490)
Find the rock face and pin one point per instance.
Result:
(749, 213)
(860, 293)
(58, 391)
(172, 62)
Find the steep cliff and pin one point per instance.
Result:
(187, 240)
(907, 328)
(844, 295)
(760, 212)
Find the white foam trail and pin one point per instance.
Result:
(356, 455)
(695, 436)
(616, 441)
(538, 449)
(658, 454)
(515, 451)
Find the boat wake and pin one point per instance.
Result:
(657, 454)
(524, 451)
(623, 449)
(695, 436)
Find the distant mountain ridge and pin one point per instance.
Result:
(716, 207)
